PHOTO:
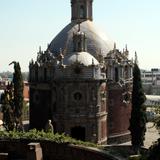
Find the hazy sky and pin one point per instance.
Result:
(27, 24)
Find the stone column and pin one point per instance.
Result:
(34, 152)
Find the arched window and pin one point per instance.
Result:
(45, 74)
(116, 75)
(82, 12)
(79, 46)
(126, 72)
(77, 96)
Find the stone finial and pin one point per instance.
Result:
(79, 27)
(126, 47)
(126, 52)
(47, 45)
(136, 58)
(40, 50)
(114, 46)
(92, 62)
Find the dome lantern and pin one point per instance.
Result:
(79, 41)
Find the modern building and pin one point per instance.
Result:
(152, 101)
(151, 81)
(82, 82)
(151, 77)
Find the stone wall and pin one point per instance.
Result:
(64, 151)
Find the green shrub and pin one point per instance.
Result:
(41, 135)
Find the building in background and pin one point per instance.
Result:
(151, 81)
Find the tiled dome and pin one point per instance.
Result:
(97, 42)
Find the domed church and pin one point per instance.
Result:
(82, 82)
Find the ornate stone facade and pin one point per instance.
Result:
(86, 93)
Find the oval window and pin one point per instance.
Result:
(77, 96)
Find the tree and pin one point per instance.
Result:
(138, 114)
(13, 101)
(18, 94)
(8, 108)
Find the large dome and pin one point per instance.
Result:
(97, 42)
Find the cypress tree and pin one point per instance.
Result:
(18, 95)
(13, 101)
(138, 114)
(8, 108)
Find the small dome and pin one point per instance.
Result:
(82, 57)
(97, 41)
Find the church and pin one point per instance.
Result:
(82, 82)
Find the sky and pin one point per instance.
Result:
(27, 24)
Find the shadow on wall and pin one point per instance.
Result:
(22, 149)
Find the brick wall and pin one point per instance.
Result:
(119, 114)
